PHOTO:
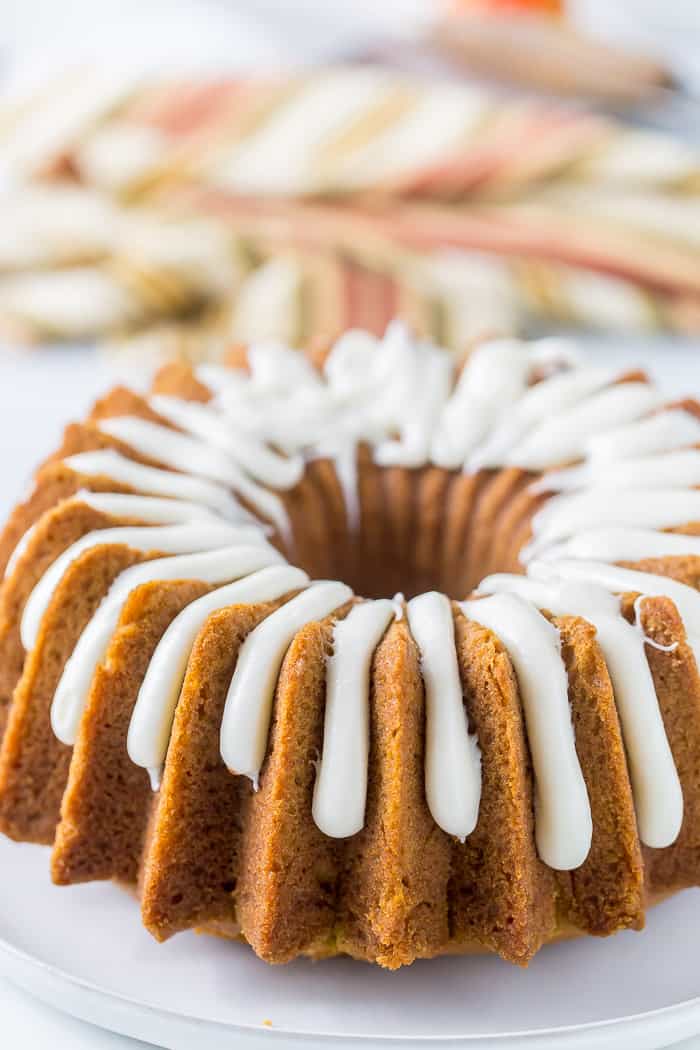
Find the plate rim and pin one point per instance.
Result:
(676, 1021)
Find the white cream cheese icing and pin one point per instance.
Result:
(151, 481)
(657, 791)
(616, 543)
(218, 566)
(254, 456)
(182, 452)
(621, 580)
(340, 791)
(452, 757)
(567, 515)
(563, 824)
(151, 721)
(169, 539)
(151, 510)
(246, 720)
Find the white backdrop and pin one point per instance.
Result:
(245, 34)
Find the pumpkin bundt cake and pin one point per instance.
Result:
(494, 747)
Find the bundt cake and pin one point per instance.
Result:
(496, 746)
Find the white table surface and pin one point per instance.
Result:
(29, 1025)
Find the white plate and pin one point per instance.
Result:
(83, 950)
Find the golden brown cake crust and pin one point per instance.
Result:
(54, 482)
(392, 900)
(431, 486)
(502, 897)
(496, 492)
(179, 380)
(33, 762)
(191, 865)
(107, 800)
(54, 533)
(677, 684)
(397, 491)
(462, 496)
(606, 893)
(286, 890)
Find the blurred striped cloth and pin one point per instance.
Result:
(177, 217)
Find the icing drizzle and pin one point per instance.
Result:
(216, 566)
(177, 450)
(452, 759)
(170, 539)
(151, 721)
(340, 792)
(246, 720)
(655, 784)
(150, 481)
(563, 824)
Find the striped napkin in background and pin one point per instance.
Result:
(177, 217)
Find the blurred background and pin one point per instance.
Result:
(180, 176)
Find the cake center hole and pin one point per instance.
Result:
(423, 530)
